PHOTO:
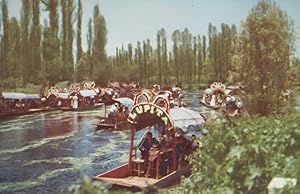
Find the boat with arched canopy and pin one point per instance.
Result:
(116, 116)
(17, 103)
(174, 129)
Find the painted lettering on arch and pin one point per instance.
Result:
(151, 109)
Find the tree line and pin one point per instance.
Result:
(34, 52)
(259, 56)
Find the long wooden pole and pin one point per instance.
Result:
(130, 151)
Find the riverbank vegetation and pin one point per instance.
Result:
(243, 157)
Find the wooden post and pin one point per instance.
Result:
(130, 151)
(174, 153)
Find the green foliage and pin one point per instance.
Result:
(245, 157)
(266, 44)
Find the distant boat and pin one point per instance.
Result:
(225, 99)
(116, 117)
(165, 164)
(16, 103)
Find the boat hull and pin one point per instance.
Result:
(120, 178)
(81, 108)
(116, 126)
(26, 112)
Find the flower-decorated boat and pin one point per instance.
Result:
(164, 162)
(75, 98)
(226, 99)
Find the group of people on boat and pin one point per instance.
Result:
(227, 99)
(13, 103)
(151, 147)
(119, 113)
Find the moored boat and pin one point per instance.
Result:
(165, 161)
(75, 98)
(16, 103)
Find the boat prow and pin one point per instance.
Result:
(115, 126)
(120, 177)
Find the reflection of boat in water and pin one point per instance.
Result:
(116, 117)
(166, 162)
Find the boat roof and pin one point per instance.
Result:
(88, 93)
(33, 96)
(208, 91)
(127, 102)
(186, 121)
(179, 120)
(63, 95)
(19, 96)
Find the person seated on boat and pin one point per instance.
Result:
(165, 141)
(230, 103)
(183, 148)
(238, 111)
(120, 116)
(126, 111)
(110, 117)
(147, 144)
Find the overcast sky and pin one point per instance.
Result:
(129, 21)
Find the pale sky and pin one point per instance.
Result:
(129, 21)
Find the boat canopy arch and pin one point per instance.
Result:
(178, 120)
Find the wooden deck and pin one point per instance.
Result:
(118, 177)
(130, 181)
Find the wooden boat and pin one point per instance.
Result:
(116, 117)
(82, 108)
(225, 99)
(74, 98)
(165, 164)
(16, 103)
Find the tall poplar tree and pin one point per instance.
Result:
(159, 60)
(25, 22)
(176, 39)
(267, 40)
(35, 40)
(51, 44)
(67, 8)
(5, 39)
(78, 34)
(100, 40)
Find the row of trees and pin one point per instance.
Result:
(190, 61)
(33, 53)
(258, 57)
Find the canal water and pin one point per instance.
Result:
(48, 152)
